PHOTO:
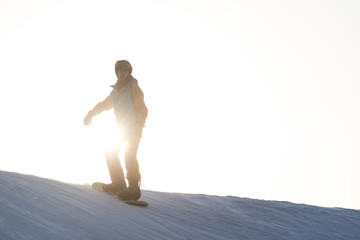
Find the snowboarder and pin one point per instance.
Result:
(127, 100)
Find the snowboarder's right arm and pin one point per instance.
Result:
(99, 108)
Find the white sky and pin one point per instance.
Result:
(255, 99)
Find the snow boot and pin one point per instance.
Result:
(115, 187)
(133, 191)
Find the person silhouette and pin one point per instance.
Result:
(127, 100)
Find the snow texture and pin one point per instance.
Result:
(38, 208)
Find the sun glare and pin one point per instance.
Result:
(238, 102)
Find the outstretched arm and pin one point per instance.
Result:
(99, 108)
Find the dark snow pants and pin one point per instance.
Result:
(130, 158)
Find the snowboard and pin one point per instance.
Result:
(98, 186)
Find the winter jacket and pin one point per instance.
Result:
(128, 103)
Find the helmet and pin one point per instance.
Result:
(123, 64)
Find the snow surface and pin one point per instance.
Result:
(38, 208)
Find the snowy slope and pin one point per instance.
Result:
(37, 208)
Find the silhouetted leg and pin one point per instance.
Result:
(131, 162)
(115, 170)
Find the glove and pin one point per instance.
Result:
(88, 118)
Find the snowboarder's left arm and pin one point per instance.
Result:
(141, 109)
